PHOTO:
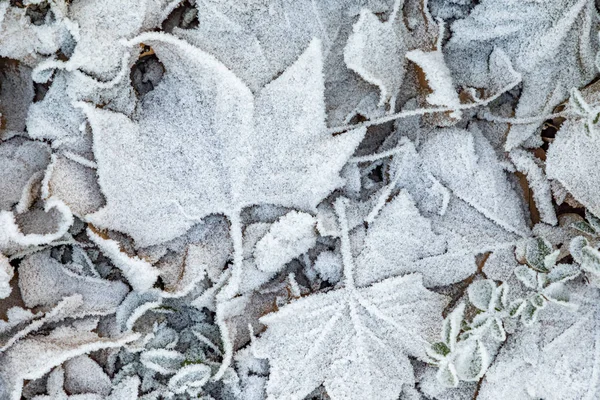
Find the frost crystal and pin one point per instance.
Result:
(299, 199)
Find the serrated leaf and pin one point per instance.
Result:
(341, 347)
(376, 51)
(256, 135)
(558, 27)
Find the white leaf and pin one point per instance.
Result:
(84, 375)
(400, 241)
(354, 341)
(140, 273)
(19, 161)
(191, 376)
(134, 306)
(256, 134)
(162, 360)
(439, 78)
(6, 274)
(33, 357)
(542, 39)
(44, 281)
(481, 294)
(579, 178)
(376, 51)
(289, 237)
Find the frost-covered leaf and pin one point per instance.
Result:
(574, 143)
(42, 226)
(452, 325)
(44, 281)
(84, 375)
(543, 40)
(31, 358)
(401, 241)
(354, 341)
(127, 389)
(376, 51)
(36, 40)
(554, 358)
(292, 141)
(289, 237)
(471, 361)
(19, 161)
(73, 183)
(6, 274)
(471, 170)
(481, 294)
(134, 306)
(259, 40)
(54, 118)
(162, 360)
(468, 217)
(191, 376)
(140, 273)
(438, 76)
(98, 27)
(526, 163)
(16, 95)
(536, 252)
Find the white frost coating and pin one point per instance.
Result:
(580, 178)
(189, 377)
(140, 273)
(289, 237)
(162, 360)
(30, 192)
(235, 139)
(73, 183)
(553, 44)
(6, 274)
(134, 306)
(84, 375)
(400, 241)
(438, 75)
(31, 358)
(19, 161)
(11, 233)
(466, 164)
(44, 281)
(339, 347)
(542, 194)
(127, 389)
(210, 138)
(64, 309)
(376, 51)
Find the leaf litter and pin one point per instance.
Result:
(365, 199)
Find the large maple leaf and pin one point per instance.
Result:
(355, 340)
(202, 143)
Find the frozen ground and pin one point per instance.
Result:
(299, 199)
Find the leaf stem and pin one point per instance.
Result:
(424, 111)
(340, 209)
(229, 291)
